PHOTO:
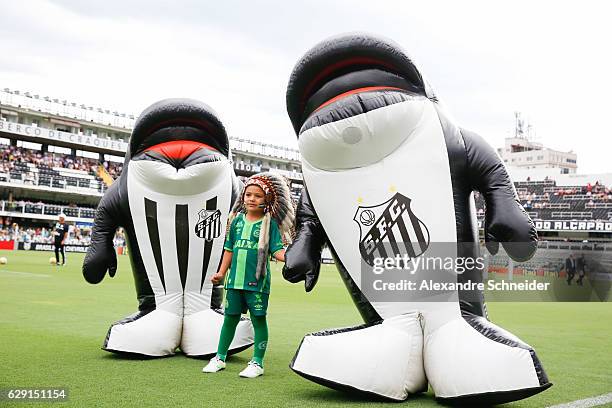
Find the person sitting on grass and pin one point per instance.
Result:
(257, 224)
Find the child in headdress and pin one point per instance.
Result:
(258, 224)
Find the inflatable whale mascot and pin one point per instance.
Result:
(387, 173)
(173, 199)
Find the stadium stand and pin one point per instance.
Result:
(24, 208)
(546, 201)
(34, 215)
(30, 167)
(59, 156)
(42, 235)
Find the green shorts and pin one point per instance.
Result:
(238, 301)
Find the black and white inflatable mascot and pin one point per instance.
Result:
(385, 169)
(173, 199)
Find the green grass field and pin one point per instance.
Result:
(52, 324)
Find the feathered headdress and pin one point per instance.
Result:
(278, 206)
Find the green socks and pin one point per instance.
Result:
(261, 338)
(260, 325)
(227, 335)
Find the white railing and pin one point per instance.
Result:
(16, 208)
(556, 189)
(289, 174)
(598, 205)
(54, 182)
(576, 197)
(535, 183)
(572, 214)
(66, 109)
(264, 149)
(534, 197)
(575, 246)
(557, 206)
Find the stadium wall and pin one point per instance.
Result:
(520, 174)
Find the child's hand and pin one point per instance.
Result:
(217, 278)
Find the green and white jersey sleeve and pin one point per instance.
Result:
(243, 240)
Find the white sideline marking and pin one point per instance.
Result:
(25, 274)
(586, 403)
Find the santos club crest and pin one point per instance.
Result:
(390, 229)
(209, 224)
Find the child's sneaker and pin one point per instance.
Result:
(214, 365)
(252, 370)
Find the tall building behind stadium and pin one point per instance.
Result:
(60, 157)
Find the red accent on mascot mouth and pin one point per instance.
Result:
(359, 90)
(179, 149)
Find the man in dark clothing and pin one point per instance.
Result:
(61, 233)
(570, 268)
(581, 266)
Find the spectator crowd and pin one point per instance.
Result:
(547, 200)
(43, 235)
(13, 156)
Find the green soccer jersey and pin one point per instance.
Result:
(242, 240)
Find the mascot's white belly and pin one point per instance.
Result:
(156, 186)
(364, 161)
(383, 166)
(173, 199)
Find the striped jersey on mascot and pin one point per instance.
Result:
(173, 199)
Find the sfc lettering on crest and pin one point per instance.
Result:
(390, 226)
(209, 224)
